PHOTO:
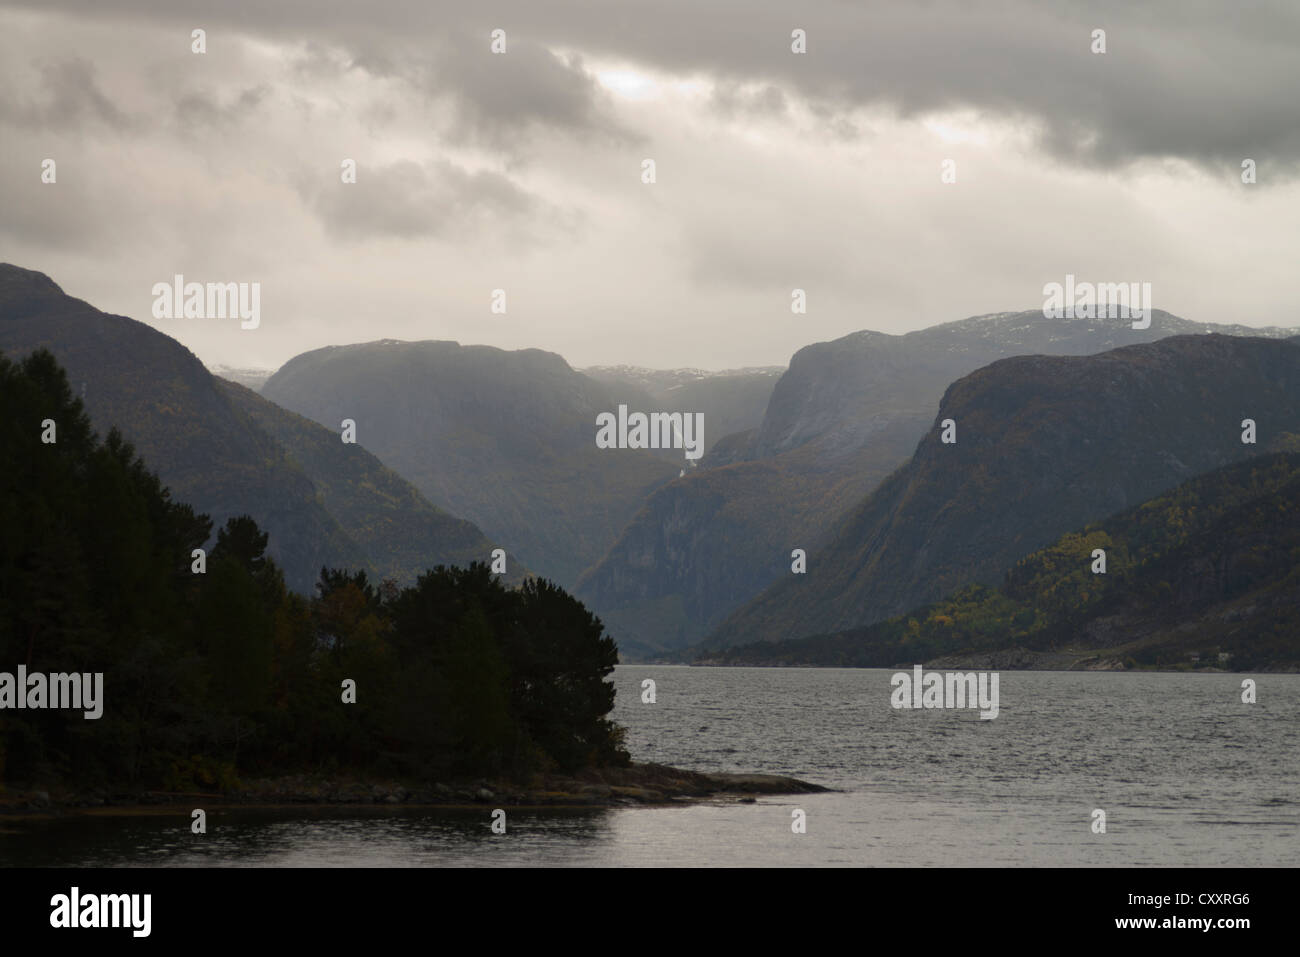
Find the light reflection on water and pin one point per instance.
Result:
(1187, 775)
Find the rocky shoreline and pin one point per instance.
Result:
(636, 784)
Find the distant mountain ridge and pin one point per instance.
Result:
(506, 439)
(661, 381)
(248, 378)
(838, 389)
(731, 401)
(1044, 444)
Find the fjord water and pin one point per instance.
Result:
(1186, 773)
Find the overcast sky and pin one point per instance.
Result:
(522, 171)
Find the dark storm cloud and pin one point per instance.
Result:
(498, 99)
(499, 96)
(480, 171)
(1205, 81)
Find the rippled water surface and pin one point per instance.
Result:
(1186, 773)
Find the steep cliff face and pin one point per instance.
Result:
(845, 414)
(1044, 444)
(506, 439)
(706, 542)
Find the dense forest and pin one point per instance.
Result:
(214, 669)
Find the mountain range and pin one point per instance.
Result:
(1043, 444)
(462, 449)
(843, 416)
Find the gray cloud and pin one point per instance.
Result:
(65, 96)
(48, 216)
(731, 100)
(408, 200)
(199, 108)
